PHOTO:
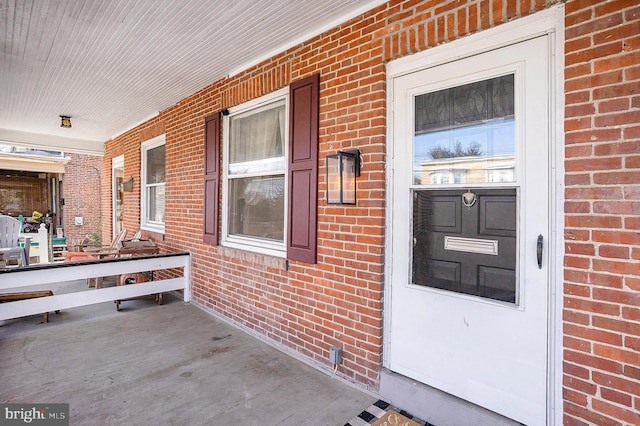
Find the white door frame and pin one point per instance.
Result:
(550, 22)
(116, 162)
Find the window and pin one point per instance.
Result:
(255, 141)
(501, 174)
(444, 177)
(152, 194)
(269, 176)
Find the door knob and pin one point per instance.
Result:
(539, 250)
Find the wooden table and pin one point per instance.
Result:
(138, 248)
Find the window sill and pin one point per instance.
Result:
(158, 232)
(254, 258)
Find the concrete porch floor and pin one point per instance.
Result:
(164, 365)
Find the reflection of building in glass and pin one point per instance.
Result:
(499, 168)
(466, 134)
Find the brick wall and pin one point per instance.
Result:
(128, 145)
(602, 268)
(309, 308)
(81, 184)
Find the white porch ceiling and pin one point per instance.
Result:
(111, 64)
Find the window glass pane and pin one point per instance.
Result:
(465, 134)
(256, 207)
(257, 135)
(155, 203)
(155, 165)
(466, 248)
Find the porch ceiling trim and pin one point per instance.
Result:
(32, 164)
(37, 140)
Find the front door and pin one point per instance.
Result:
(469, 282)
(117, 200)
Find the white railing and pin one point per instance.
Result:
(24, 279)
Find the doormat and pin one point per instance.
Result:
(382, 413)
(392, 417)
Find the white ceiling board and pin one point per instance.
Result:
(109, 64)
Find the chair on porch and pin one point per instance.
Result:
(94, 253)
(9, 238)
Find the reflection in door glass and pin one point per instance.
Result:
(465, 134)
(118, 200)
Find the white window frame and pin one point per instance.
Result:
(145, 224)
(277, 249)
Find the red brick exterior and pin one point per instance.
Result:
(602, 230)
(129, 146)
(81, 185)
(339, 301)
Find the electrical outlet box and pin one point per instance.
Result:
(79, 220)
(335, 355)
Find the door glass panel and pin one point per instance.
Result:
(465, 134)
(466, 246)
(118, 200)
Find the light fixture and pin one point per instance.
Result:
(342, 170)
(127, 186)
(65, 121)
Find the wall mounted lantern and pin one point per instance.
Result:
(127, 186)
(342, 170)
(65, 121)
